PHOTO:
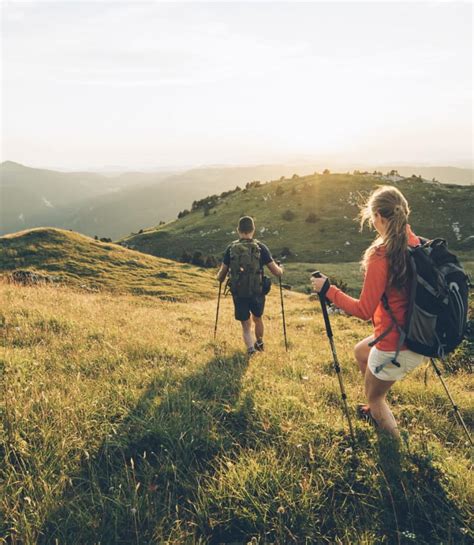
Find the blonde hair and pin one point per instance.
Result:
(390, 203)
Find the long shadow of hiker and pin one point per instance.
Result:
(417, 508)
(142, 483)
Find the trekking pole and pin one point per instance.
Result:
(283, 310)
(337, 367)
(455, 407)
(217, 310)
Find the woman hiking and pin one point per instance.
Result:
(382, 358)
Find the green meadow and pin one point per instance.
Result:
(124, 422)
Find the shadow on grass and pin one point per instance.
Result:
(141, 484)
(416, 506)
(163, 478)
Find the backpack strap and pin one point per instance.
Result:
(401, 339)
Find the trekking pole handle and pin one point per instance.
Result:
(324, 308)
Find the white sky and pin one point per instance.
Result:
(88, 84)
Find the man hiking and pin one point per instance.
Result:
(244, 260)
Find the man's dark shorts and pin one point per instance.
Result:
(245, 305)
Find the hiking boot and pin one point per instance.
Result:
(251, 351)
(259, 346)
(363, 412)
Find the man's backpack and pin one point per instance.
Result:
(436, 318)
(245, 271)
(438, 306)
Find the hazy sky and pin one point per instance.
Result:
(88, 84)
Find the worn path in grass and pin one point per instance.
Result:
(123, 422)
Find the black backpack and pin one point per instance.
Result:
(438, 307)
(436, 319)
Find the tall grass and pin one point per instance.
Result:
(122, 422)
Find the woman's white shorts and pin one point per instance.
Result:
(407, 359)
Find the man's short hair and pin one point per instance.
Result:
(246, 225)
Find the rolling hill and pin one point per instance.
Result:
(80, 261)
(310, 218)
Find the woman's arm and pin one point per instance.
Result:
(375, 283)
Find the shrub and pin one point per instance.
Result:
(183, 213)
(326, 171)
(312, 218)
(198, 259)
(106, 239)
(288, 215)
(286, 252)
(230, 192)
(186, 257)
(211, 262)
(279, 191)
(208, 202)
(339, 283)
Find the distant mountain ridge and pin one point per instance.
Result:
(114, 205)
(32, 197)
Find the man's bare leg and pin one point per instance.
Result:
(258, 321)
(247, 333)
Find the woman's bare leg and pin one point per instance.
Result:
(375, 391)
(361, 353)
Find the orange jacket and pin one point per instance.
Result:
(369, 306)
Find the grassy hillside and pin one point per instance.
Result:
(124, 423)
(83, 261)
(282, 211)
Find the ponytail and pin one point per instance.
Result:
(390, 203)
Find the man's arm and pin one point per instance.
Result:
(275, 269)
(224, 265)
(222, 272)
(267, 259)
